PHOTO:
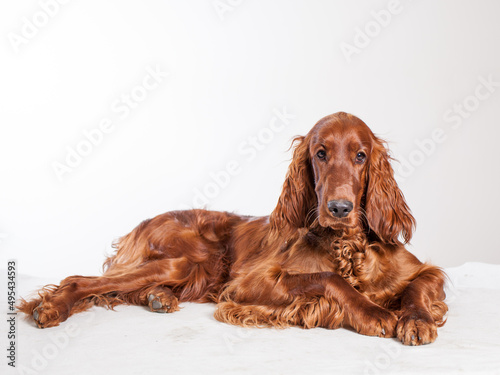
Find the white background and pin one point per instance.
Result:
(229, 71)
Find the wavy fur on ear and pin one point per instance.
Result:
(298, 198)
(387, 213)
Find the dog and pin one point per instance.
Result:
(331, 254)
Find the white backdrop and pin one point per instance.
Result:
(113, 112)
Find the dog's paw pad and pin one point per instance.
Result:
(162, 303)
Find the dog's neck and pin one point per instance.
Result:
(347, 248)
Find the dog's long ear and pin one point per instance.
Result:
(298, 197)
(387, 213)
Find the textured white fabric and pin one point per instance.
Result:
(132, 340)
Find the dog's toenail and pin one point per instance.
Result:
(156, 305)
(151, 297)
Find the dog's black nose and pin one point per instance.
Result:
(340, 208)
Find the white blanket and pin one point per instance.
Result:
(132, 340)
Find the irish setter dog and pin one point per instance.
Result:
(331, 254)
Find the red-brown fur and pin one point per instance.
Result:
(299, 266)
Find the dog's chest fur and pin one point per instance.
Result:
(314, 252)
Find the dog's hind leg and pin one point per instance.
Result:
(146, 285)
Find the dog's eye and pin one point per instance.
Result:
(321, 154)
(360, 157)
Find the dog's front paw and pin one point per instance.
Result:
(416, 328)
(375, 321)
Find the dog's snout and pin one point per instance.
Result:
(340, 208)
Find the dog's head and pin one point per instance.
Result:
(341, 176)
